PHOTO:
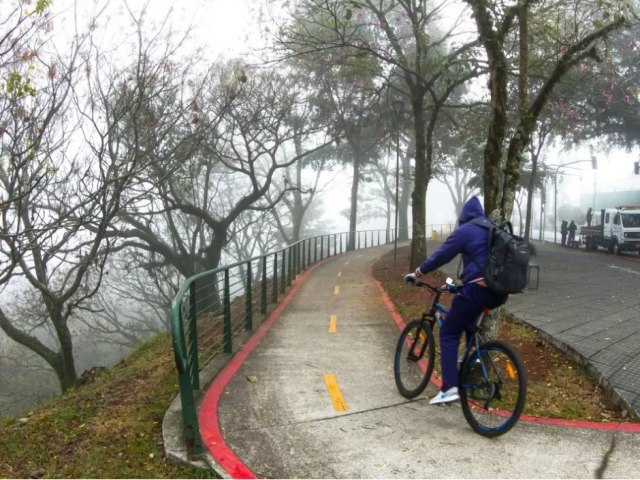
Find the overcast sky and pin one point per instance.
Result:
(226, 27)
(231, 28)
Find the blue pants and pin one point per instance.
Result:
(465, 309)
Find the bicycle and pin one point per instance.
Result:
(492, 381)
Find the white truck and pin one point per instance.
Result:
(617, 229)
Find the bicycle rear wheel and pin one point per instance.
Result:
(414, 358)
(493, 388)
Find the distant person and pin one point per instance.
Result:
(470, 240)
(563, 231)
(589, 216)
(572, 233)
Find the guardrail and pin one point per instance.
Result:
(213, 308)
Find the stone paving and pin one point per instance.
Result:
(588, 303)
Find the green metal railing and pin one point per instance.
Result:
(213, 308)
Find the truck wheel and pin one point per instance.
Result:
(588, 245)
(611, 246)
(616, 248)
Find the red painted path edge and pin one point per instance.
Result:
(208, 414)
(622, 427)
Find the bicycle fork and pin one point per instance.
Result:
(427, 321)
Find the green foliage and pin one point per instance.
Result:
(20, 86)
(41, 6)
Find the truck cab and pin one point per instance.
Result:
(621, 228)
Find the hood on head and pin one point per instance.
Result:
(472, 209)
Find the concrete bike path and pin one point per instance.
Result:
(314, 397)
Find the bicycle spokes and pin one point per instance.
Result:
(493, 389)
(414, 358)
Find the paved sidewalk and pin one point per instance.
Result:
(279, 414)
(588, 303)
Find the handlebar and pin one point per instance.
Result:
(449, 286)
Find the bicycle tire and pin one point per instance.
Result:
(414, 358)
(493, 388)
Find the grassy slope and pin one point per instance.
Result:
(111, 428)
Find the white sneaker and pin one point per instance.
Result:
(450, 395)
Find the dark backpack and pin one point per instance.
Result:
(508, 265)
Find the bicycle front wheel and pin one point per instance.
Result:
(413, 361)
(493, 388)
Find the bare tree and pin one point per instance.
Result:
(53, 195)
(402, 37)
(206, 158)
(301, 182)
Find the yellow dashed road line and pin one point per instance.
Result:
(333, 324)
(336, 290)
(339, 405)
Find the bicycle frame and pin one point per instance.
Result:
(495, 389)
(474, 341)
(472, 344)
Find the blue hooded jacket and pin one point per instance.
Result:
(469, 239)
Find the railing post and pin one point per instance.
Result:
(249, 300)
(192, 329)
(227, 340)
(274, 293)
(191, 429)
(263, 307)
(283, 277)
(304, 254)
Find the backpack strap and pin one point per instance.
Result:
(488, 226)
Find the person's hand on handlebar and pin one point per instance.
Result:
(410, 278)
(414, 278)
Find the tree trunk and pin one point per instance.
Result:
(66, 372)
(530, 189)
(353, 215)
(405, 195)
(419, 241)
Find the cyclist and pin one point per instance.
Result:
(471, 241)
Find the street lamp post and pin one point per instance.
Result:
(398, 106)
(557, 169)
